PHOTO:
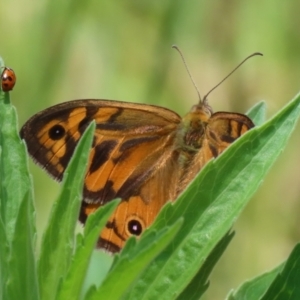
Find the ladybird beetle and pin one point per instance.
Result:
(8, 79)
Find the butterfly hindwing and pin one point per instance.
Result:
(137, 212)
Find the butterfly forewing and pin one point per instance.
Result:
(52, 134)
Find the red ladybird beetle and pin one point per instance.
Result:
(8, 79)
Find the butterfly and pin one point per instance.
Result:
(144, 154)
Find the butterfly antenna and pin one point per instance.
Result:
(253, 54)
(186, 67)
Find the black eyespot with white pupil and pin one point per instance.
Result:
(56, 132)
(135, 227)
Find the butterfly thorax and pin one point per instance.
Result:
(193, 126)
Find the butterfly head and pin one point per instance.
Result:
(202, 110)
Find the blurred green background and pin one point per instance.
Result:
(64, 50)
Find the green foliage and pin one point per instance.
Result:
(211, 204)
(17, 223)
(282, 283)
(255, 288)
(64, 50)
(258, 113)
(132, 261)
(199, 283)
(286, 284)
(174, 257)
(72, 284)
(58, 240)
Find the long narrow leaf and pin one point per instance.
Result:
(22, 280)
(72, 285)
(255, 288)
(286, 285)
(15, 179)
(17, 264)
(127, 269)
(4, 252)
(258, 113)
(58, 240)
(199, 284)
(221, 190)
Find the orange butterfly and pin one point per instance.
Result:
(143, 154)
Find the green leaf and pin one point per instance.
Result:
(130, 263)
(22, 280)
(17, 220)
(211, 204)
(199, 284)
(4, 252)
(58, 240)
(286, 285)
(256, 287)
(257, 113)
(15, 179)
(72, 285)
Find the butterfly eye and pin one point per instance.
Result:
(56, 132)
(135, 227)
